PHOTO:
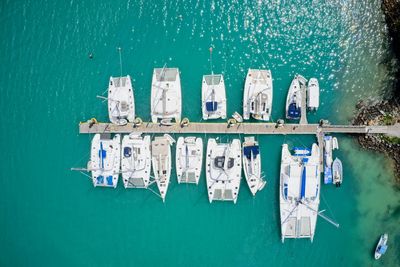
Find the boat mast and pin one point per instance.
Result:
(120, 61)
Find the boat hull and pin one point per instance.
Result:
(189, 157)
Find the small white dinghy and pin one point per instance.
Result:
(223, 170)
(161, 160)
(166, 104)
(252, 165)
(213, 97)
(105, 159)
(189, 158)
(381, 247)
(121, 104)
(135, 161)
(257, 95)
(337, 172)
(313, 94)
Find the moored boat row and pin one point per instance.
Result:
(166, 98)
(136, 154)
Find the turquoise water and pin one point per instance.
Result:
(50, 216)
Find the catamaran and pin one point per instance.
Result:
(294, 97)
(161, 160)
(252, 165)
(330, 143)
(121, 104)
(257, 96)
(337, 172)
(313, 94)
(223, 170)
(166, 95)
(135, 161)
(213, 97)
(299, 192)
(105, 160)
(189, 158)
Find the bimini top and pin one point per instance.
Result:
(294, 111)
(248, 150)
(211, 106)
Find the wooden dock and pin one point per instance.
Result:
(240, 128)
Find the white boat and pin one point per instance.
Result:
(330, 143)
(337, 172)
(313, 94)
(223, 170)
(299, 192)
(257, 96)
(381, 247)
(294, 98)
(161, 161)
(237, 116)
(252, 165)
(135, 161)
(189, 158)
(213, 97)
(105, 158)
(121, 104)
(166, 102)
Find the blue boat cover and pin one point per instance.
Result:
(211, 106)
(382, 249)
(285, 190)
(301, 151)
(248, 149)
(327, 175)
(294, 111)
(100, 179)
(109, 180)
(303, 183)
(127, 152)
(102, 154)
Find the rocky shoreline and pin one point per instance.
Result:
(385, 112)
(382, 113)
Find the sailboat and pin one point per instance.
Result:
(161, 161)
(223, 170)
(337, 172)
(313, 94)
(213, 97)
(189, 158)
(105, 160)
(166, 102)
(257, 96)
(299, 192)
(121, 105)
(294, 97)
(252, 165)
(135, 161)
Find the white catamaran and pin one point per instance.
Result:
(135, 161)
(213, 97)
(223, 170)
(252, 165)
(189, 158)
(299, 192)
(161, 160)
(105, 158)
(166, 95)
(257, 96)
(121, 104)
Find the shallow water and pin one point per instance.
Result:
(52, 216)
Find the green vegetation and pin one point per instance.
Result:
(391, 139)
(388, 119)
